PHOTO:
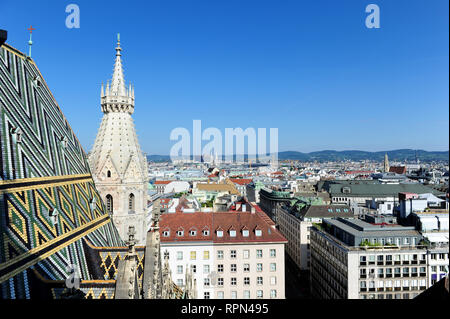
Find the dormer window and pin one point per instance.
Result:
(205, 232)
(180, 233)
(232, 233)
(166, 233)
(220, 233)
(245, 233)
(258, 232)
(193, 232)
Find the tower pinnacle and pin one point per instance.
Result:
(30, 42)
(116, 98)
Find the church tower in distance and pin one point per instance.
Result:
(117, 164)
(386, 163)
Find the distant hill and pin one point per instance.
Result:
(394, 155)
(331, 155)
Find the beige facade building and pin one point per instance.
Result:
(232, 255)
(117, 164)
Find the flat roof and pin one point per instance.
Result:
(364, 229)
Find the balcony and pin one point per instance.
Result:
(380, 263)
(380, 289)
(406, 262)
(388, 262)
(362, 276)
(362, 263)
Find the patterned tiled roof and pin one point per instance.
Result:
(50, 204)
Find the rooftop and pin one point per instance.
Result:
(225, 221)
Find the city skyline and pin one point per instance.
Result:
(266, 66)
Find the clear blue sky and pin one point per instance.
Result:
(310, 68)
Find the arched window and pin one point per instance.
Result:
(131, 202)
(109, 204)
(108, 174)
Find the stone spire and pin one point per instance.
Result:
(386, 163)
(116, 98)
(117, 164)
(118, 82)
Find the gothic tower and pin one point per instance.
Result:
(386, 163)
(117, 164)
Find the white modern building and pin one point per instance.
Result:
(352, 259)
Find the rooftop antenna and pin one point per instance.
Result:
(30, 42)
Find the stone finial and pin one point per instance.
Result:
(131, 240)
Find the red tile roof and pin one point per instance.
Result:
(359, 172)
(398, 169)
(241, 181)
(223, 221)
(162, 182)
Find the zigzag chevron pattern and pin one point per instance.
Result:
(48, 202)
(49, 146)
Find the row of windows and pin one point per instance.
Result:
(180, 233)
(246, 294)
(220, 268)
(390, 296)
(398, 271)
(441, 269)
(439, 256)
(110, 206)
(234, 281)
(391, 258)
(219, 233)
(220, 254)
(380, 285)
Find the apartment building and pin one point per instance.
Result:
(231, 255)
(353, 259)
(295, 224)
(365, 191)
